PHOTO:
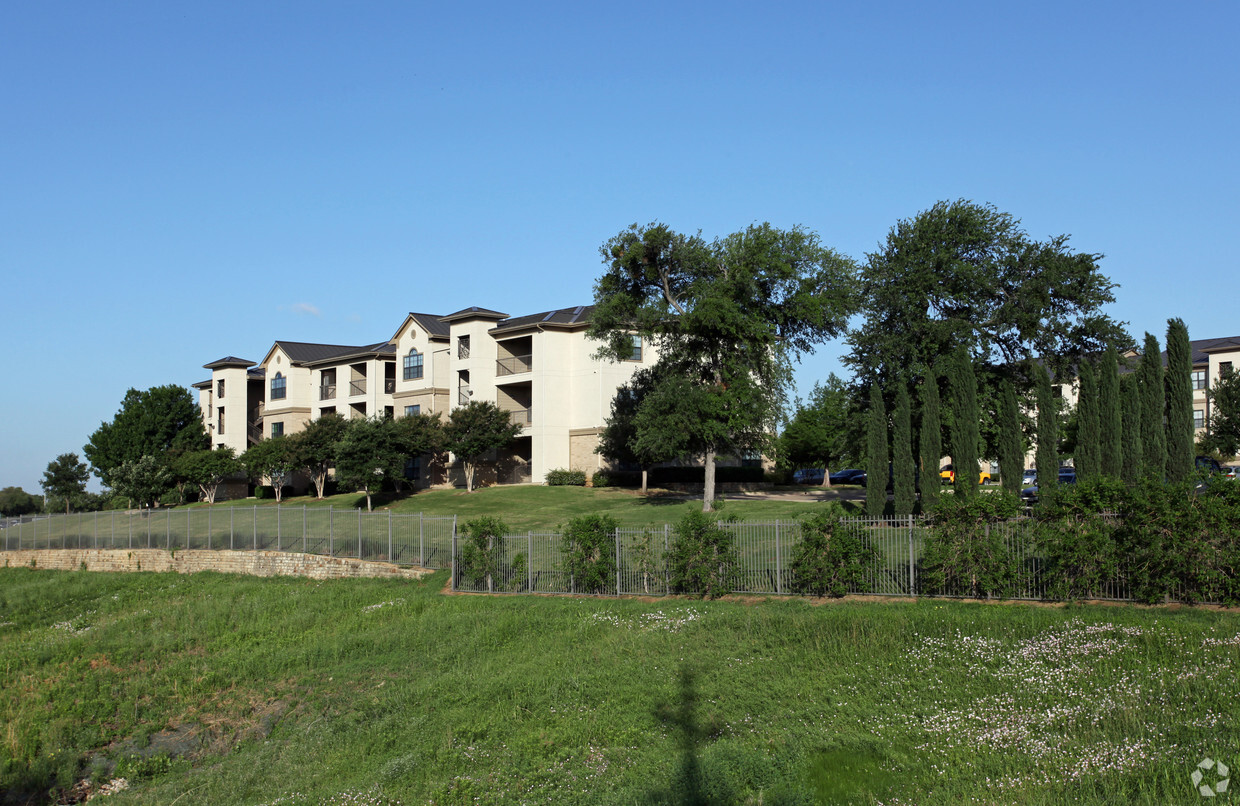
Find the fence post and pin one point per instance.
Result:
(616, 533)
(453, 563)
(331, 551)
(303, 528)
(911, 591)
(359, 533)
(168, 529)
(188, 512)
(389, 555)
(231, 512)
(422, 539)
(254, 526)
(779, 568)
(277, 527)
(529, 565)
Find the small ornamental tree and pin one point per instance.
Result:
(965, 436)
(419, 435)
(1130, 394)
(1088, 439)
(818, 432)
(475, 430)
(877, 457)
(589, 554)
(142, 480)
(1180, 464)
(631, 435)
(1011, 444)
(272, 459)
(1153, 411)
(903, 476)
(367, 455)
(1224, 433)
(482, 556)
(208, 469)
(65, 479)
(315, 448)
(703, 558)
(153, 422)
(930, 441)
(1047, 456)
(1110, 416)
(832, 557)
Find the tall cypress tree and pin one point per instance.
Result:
(1047, 456)
(903, 469)
(930, 441)
(1179, 402)
(1087, 436)
(877, 459)
(1110, 416)
(965, 428)
(1130, 394)
(1153, 405)
(1011, 445)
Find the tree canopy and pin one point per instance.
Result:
(641, 434)
(1224, 423)
(368, 454)
(726, 319)
(65, 479)
(207, 469)
(154, 422)
(315, 448)
(819, 431)
(966, 275)
(16, 501)
(475, 430)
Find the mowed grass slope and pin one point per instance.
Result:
(231, 690)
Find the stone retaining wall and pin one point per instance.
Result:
(253, 563)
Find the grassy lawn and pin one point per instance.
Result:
(538, 508)
(231, 690)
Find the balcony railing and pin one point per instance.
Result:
(514, 364)
(389, 386)
(357, 387)
(520, 417)
(327, 391)
(462, 349)
(464, 394)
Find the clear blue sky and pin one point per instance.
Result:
(186, 181)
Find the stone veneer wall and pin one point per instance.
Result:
(253, 563)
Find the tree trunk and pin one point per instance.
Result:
(368, 509)
(643, 481)
(708, 488)
(826, 474)
(320, 481)
(469, 477)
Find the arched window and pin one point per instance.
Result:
(277, 387)
(413, 365)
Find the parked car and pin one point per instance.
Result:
(849, 476)
(948, 474)
(1231, 471)
(1030, 478)
(807, 475)
(1067, 475)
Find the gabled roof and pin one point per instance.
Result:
(563, 318)
(202, 384)
(376, 350)
(229, 361)
(1203, 347)
(301, 353)
(433, 325)
(473, 313)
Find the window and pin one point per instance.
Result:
(413, 365)
(1199, 418)
(413, 468)
(219, 388)
(1224, 367)
(389, 412)
(412, 410)
(1057, 391)
(636, 355)
(1199, 379)
(277, 429)
(219, 428)
(278, 389)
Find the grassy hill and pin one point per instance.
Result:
(228, 690)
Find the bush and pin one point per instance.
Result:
(703, 558)
(964, 555)
(483, 553)
(590, 553)
(832, 557)
(566, 478)
(617, 478)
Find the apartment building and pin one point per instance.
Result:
(539, 367)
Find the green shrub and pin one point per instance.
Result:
(566, 478)
(617, 478)
(965, 551)
(590, 553)
(703, 558)
(832, 557)
(518, 573)
(483, 553)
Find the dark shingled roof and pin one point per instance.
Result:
(229, 361)
(433, 324)
(474, 313)
(1201, 347)
(563, 317)
(300, 352)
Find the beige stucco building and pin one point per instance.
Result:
(540, 368)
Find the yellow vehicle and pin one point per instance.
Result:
(948, 474)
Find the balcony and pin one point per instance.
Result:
(389, 386)
(357, 387)
(521, 417)
(513, 365)
(462, 348)
(327, 391)
(464, 394)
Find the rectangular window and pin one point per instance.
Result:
(219, 388)
(1199, 379)
(389, 412)
(1224, 367)
(413, 366)
(1199, 418)
(277, 429)
(278, 387)
(636, 355)
(413, 468)
(412, 410)
(219, 428)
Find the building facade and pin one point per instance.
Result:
(540, 368)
